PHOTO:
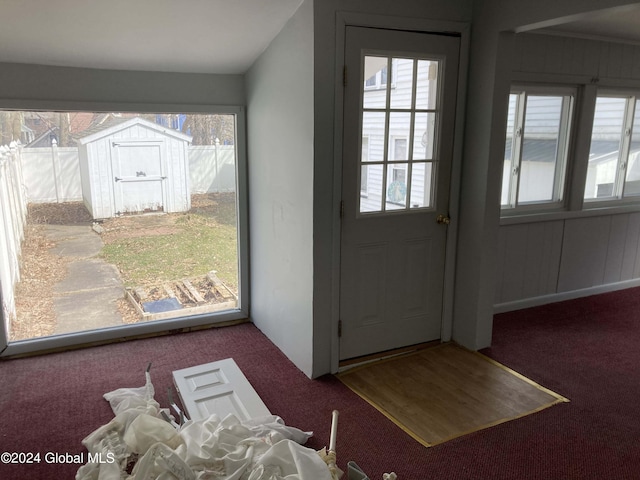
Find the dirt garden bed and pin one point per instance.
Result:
(203, 294)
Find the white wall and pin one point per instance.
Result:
(542, 262)
(280, 150)
(42, 87)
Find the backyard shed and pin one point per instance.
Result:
(132, 166)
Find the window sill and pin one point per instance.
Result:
(592, 211)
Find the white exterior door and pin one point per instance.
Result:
(399, 115)
(139, 175)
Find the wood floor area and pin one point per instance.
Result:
(443, 392)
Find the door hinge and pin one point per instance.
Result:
(344, 76)
(339, 328)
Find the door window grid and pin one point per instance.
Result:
(364, 170)
(391, 191)
(377, 80)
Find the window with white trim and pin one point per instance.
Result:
(536, 148)
(613, 172)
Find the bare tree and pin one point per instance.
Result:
(10, 127)
(206, 128)
(64, 129)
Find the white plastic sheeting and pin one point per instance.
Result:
(211, 449)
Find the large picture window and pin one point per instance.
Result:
(115, 221)
(536, 148)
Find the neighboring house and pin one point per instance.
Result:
(46, 126)
(45, 139)
(27, 135)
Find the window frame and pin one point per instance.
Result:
(240, 313)
(617, 197)
(566, 132)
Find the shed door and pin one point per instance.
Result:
(139, 170)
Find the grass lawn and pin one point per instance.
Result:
(153, 249)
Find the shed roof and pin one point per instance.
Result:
(118, 124)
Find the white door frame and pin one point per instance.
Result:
(343, 20)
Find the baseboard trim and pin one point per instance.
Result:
(559, 297)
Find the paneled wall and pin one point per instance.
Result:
(543, 54)
(529, 260)
(556, 259)
(577, 252)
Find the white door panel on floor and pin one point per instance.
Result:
(399, 115)
(218, 388)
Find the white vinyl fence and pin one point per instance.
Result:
(52, 174)
(13, 215)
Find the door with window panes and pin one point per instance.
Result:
(399, 114)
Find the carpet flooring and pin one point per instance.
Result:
(586, 349)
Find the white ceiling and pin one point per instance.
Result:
(620, 24)
(195, 36)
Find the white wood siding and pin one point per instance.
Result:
(556, 257)
(529, 260)
(543, 54)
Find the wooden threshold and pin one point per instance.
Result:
(352, 362)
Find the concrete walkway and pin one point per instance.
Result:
(86, 299)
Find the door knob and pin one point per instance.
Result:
(443, 219)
